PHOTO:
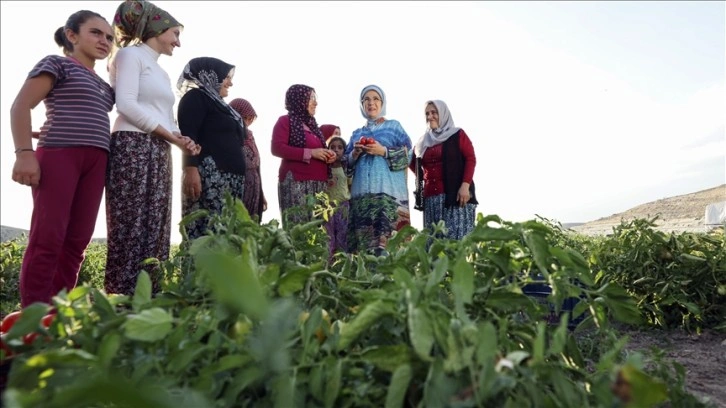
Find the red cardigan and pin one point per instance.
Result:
(433, 165)
(297, 160)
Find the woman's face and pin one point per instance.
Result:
(94, 38)
(226, 84)
(248, 120)
(312, 103)
(432, 116)
(166, 42)
(372, 104)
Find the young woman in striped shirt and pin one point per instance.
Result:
(67, 171)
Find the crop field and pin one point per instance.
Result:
(257, 316)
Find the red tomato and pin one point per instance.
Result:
(47, 320)
(9, 321)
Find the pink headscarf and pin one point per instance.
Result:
(328, 130)
(243, 107)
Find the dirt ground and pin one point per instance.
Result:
(703, 356)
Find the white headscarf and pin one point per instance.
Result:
(439, 135)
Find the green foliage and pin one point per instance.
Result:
(678, 280)
(255, 315)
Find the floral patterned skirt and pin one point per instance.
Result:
(459, 220)
(372, 221)
(215, 183)
(138, 208)
(292, 196)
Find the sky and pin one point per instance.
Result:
(577, 110)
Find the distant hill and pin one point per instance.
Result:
(8, 233)
(683, 213)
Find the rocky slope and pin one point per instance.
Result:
(683, 213)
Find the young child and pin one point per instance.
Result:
(338, 191)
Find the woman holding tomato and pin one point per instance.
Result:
(299, 142)
(378, 156)
(444, 165)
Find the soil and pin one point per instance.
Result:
(703, 356)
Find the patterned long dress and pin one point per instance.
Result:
(138, 208)
(379, 193)
(215, 184)
(253, 194)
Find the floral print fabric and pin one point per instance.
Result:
(138, 208)
(215, 184)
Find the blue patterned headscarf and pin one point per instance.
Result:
(383, 102)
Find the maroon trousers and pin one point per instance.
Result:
(65, 207)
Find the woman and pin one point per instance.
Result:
(139, 180)
(67, 172)
(378, 156)
(444, 166)
(207, 119)
(254, 198)
(298, 141)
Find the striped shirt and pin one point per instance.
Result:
(76, 109)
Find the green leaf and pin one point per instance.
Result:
(399, 386)
(293, 280)
(646, 391)
(108, 349)
(370, 314)
(283, 391)
(487, 344)
(333, 376)
(421, 332)
(436, 276)
(540, 250)
(150, 325)
(233, 280)
(228, 362)
(403, 278)
(142, 295)
(463, 283)
(387, 358)
(485, 233)
(28, 321)
(538, 348)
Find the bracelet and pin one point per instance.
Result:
(23, 150)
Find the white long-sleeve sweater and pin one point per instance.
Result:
(144, 98)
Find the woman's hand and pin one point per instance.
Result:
(26, 169)
(186, 144)
(324, 155)
(374, 148)
(264, 205)
(462, 196)
(192, 183)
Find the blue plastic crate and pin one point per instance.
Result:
(540, 291)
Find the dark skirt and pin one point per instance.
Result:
(138, 209)
(292, 196)
(459, 220)
(215, 183)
